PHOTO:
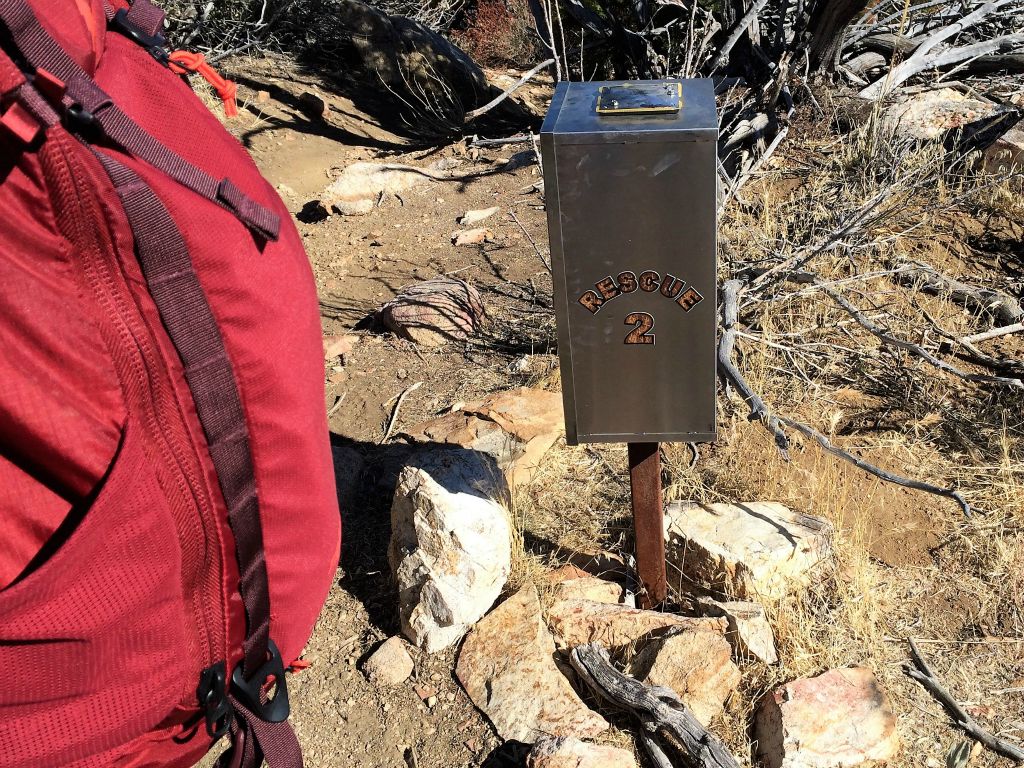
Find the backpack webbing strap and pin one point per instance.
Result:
(89, 106)
(189, 321)
(144, 16)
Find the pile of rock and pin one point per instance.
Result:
(451, 554)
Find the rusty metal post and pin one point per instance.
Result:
(648, 521)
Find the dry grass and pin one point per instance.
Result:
(907, 563)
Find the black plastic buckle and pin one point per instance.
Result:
(250, 692)
(156, 45)
(81, 121)
(213, 700)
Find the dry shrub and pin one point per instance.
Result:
(499, 33)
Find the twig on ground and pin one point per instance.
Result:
(914, 349)
(1000, 305)
(394, 413)
(545, 262)
(871, 469)
(773, 423)
(923, 673)
(337, 405)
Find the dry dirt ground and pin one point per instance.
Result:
(909, 564)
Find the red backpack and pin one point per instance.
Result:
(168, 521)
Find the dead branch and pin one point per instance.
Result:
(885, 44)
(995, 333)
(1001, 306)
(737, 32)
(970, 352)
(924, 674)
(919, 60)
(871, 469)
(915, 349)
(667, 725)
(758, 410)
(771, 422)
(394, 413)
(475, 113)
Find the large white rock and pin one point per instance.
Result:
(558, 752)
(755, 549)
(451, 544)
(841, 718)
(507, 667)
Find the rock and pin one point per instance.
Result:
(420, 79)
(567, 752)
(469, 218)
(567, 572)
(589, 588)
(473, 237)
(749, 631)
(755, 549)
(696, 664)
(507, 668)
(262, 97)
(339, 345)
(575, 622)
(348, 467)
(313, 212)
(451, 544)
(1006, 154)
(360, 186)
(516, 427)
(840, 718)
(435, 311)
(311, 105)
(390, 664)
(934, 115)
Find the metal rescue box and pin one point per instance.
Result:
(630, 184)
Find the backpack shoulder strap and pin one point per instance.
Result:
(186, 314)
(88, 108)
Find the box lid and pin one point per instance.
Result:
(631, 111)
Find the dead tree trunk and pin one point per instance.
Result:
(829, 19)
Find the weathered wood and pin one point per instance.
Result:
(923, 673)
(1001, 306)
(995, 333)
(887, 44)
(922, 59)
(648, 521)
(668, 728)
(828, 21)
